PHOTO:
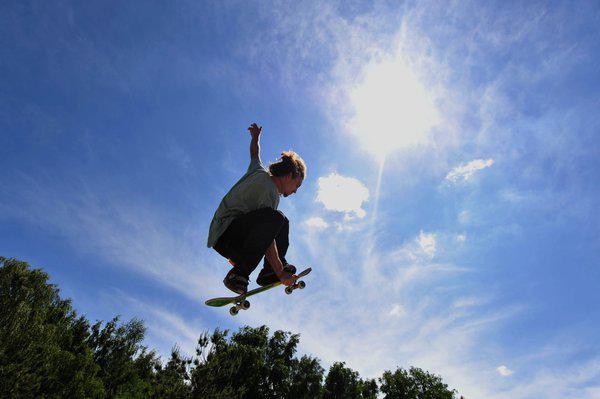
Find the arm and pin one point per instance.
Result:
(255, 131)
(273, 257)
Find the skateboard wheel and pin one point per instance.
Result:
(233, 311)
(301, 284)
(289, 290)
(245, 305)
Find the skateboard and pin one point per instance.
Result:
(240, 301)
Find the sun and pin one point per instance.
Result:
(392, 108)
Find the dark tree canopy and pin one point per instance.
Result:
(43, 343)
(414, 384)
(253, 364)
(47, 350)
(344, 383)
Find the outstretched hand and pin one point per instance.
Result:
(255, 130)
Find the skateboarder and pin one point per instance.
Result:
(247, 224)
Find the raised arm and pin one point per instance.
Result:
(255, 130)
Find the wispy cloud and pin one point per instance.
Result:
(422, 248)
(397, 311)
(465, 171)
(316, 223)
(126, 233)
(166, 326)
(413, 317)
(382, 315)
(468, 302)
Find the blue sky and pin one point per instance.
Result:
(450, 211)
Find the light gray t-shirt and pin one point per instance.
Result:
(255, 190)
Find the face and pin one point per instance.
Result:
(290, 186)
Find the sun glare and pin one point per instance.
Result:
(393, 109)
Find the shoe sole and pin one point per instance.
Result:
(238, 290)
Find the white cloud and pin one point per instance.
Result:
(421, 248)
(427, 243)
(316, 223)
(397, 311)
(342, 194)
(461, 238)
(464, 217)
(344, 227)
(504, 371)
(465, 171)
(348, 217)
(467, 302)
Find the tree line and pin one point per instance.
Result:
(47, 350)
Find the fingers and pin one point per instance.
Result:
(254, 128)
(290, 280)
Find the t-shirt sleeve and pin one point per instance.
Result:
(254, 164)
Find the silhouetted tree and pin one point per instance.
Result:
(43, 343)
(252, 364)
(172, 380)
(46, 350)
(368, 389)
(341, 382)
(414, 384)
(306, 375)
(123, 360)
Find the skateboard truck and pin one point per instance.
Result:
(242, 304)
(300, 284)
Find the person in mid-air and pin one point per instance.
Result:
(247, 224)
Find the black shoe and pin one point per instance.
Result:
(267, 275)
(236, 283)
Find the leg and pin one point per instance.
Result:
(248, 237)
(267, 275)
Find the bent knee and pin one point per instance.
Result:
(270, 212)
(282, 217)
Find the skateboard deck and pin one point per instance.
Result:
(240, 301)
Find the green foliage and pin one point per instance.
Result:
(341, 382)
(47, 351)
(115, 348)
(306, 375)
(344, 383)
(172, 380)
(368, 389)
(252, 364)
(43, 344)
(414, 384)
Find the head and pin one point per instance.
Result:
(289, 171)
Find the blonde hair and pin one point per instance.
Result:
(289, 162)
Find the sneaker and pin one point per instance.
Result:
(236, 283)
(267, 275)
